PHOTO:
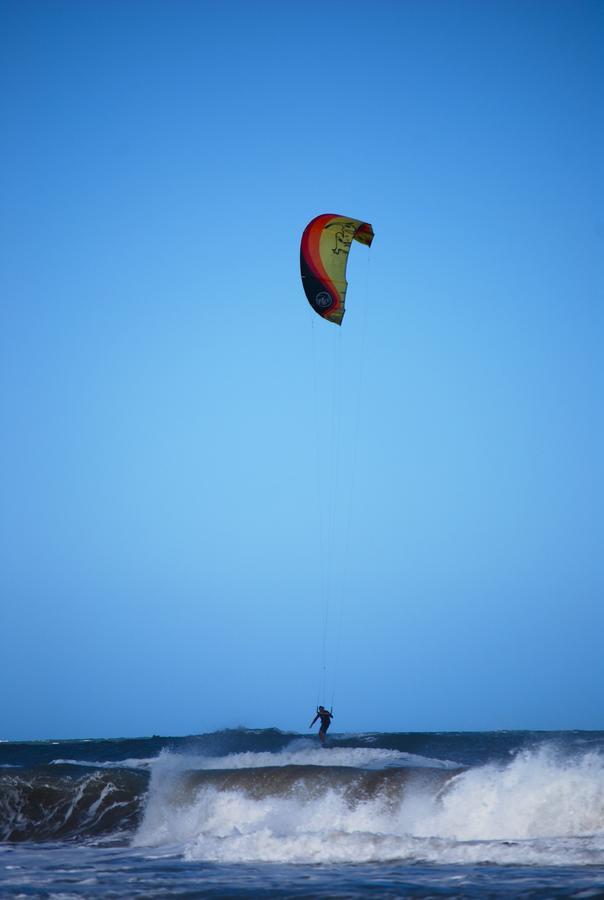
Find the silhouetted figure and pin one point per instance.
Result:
(326, 718)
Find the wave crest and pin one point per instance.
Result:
(538, 808)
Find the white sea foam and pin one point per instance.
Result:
(537, 795)
(304, 752)
(107, 764)
(537, 809)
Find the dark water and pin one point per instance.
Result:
(235, 813)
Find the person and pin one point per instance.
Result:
(326, 718)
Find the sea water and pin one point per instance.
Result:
(244, 812)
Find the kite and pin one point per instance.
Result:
(323, 257)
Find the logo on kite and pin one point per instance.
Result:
(323, 258)
(323, 300)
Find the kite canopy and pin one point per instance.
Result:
(323, 257)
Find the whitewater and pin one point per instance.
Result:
(263, 812)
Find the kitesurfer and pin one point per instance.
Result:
(326, 718)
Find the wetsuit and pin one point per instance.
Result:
(326, 718)
(325, 721)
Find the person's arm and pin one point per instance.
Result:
(314, 720)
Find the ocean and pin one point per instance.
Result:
(266, 813)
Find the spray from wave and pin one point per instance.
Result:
(366, 805)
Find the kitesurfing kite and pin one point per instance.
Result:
(323, 256)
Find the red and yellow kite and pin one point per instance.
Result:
(323, 256)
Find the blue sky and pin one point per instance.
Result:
(178, 508)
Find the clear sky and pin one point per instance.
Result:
(193, 465)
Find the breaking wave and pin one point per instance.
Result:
(537, 809)
(243, 796)
(304, 752)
